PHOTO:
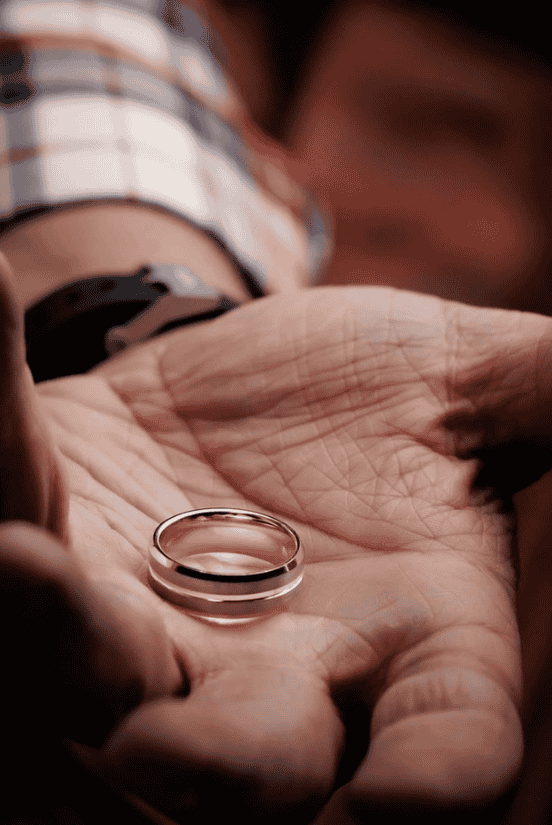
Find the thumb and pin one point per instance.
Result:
(30, 485)
(73, 667)
(499, 382)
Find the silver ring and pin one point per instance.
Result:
(226, 562)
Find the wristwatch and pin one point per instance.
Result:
(75, 328)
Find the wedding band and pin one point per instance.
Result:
(226, 562)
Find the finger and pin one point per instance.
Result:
(30, 487)
(500, 385)
(72, 665)
(336, 811)
(444, 761)
(445, 730)
(264, 746)
(445, 733)
(340, 811)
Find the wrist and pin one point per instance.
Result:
(98, 278)
(54, 250)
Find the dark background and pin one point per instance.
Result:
(290, 30)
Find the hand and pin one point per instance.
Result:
(355, 415)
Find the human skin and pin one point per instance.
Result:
(432, 150)
(48, 252)
(357, 417)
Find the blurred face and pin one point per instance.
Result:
(432, 154)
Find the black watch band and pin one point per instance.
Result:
(75, 328)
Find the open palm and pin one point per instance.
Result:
(396, 670)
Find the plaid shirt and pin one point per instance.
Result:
(125, 101)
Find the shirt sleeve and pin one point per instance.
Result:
(129, 101)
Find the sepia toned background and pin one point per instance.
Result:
(425, 129)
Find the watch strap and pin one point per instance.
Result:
(77, 327)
